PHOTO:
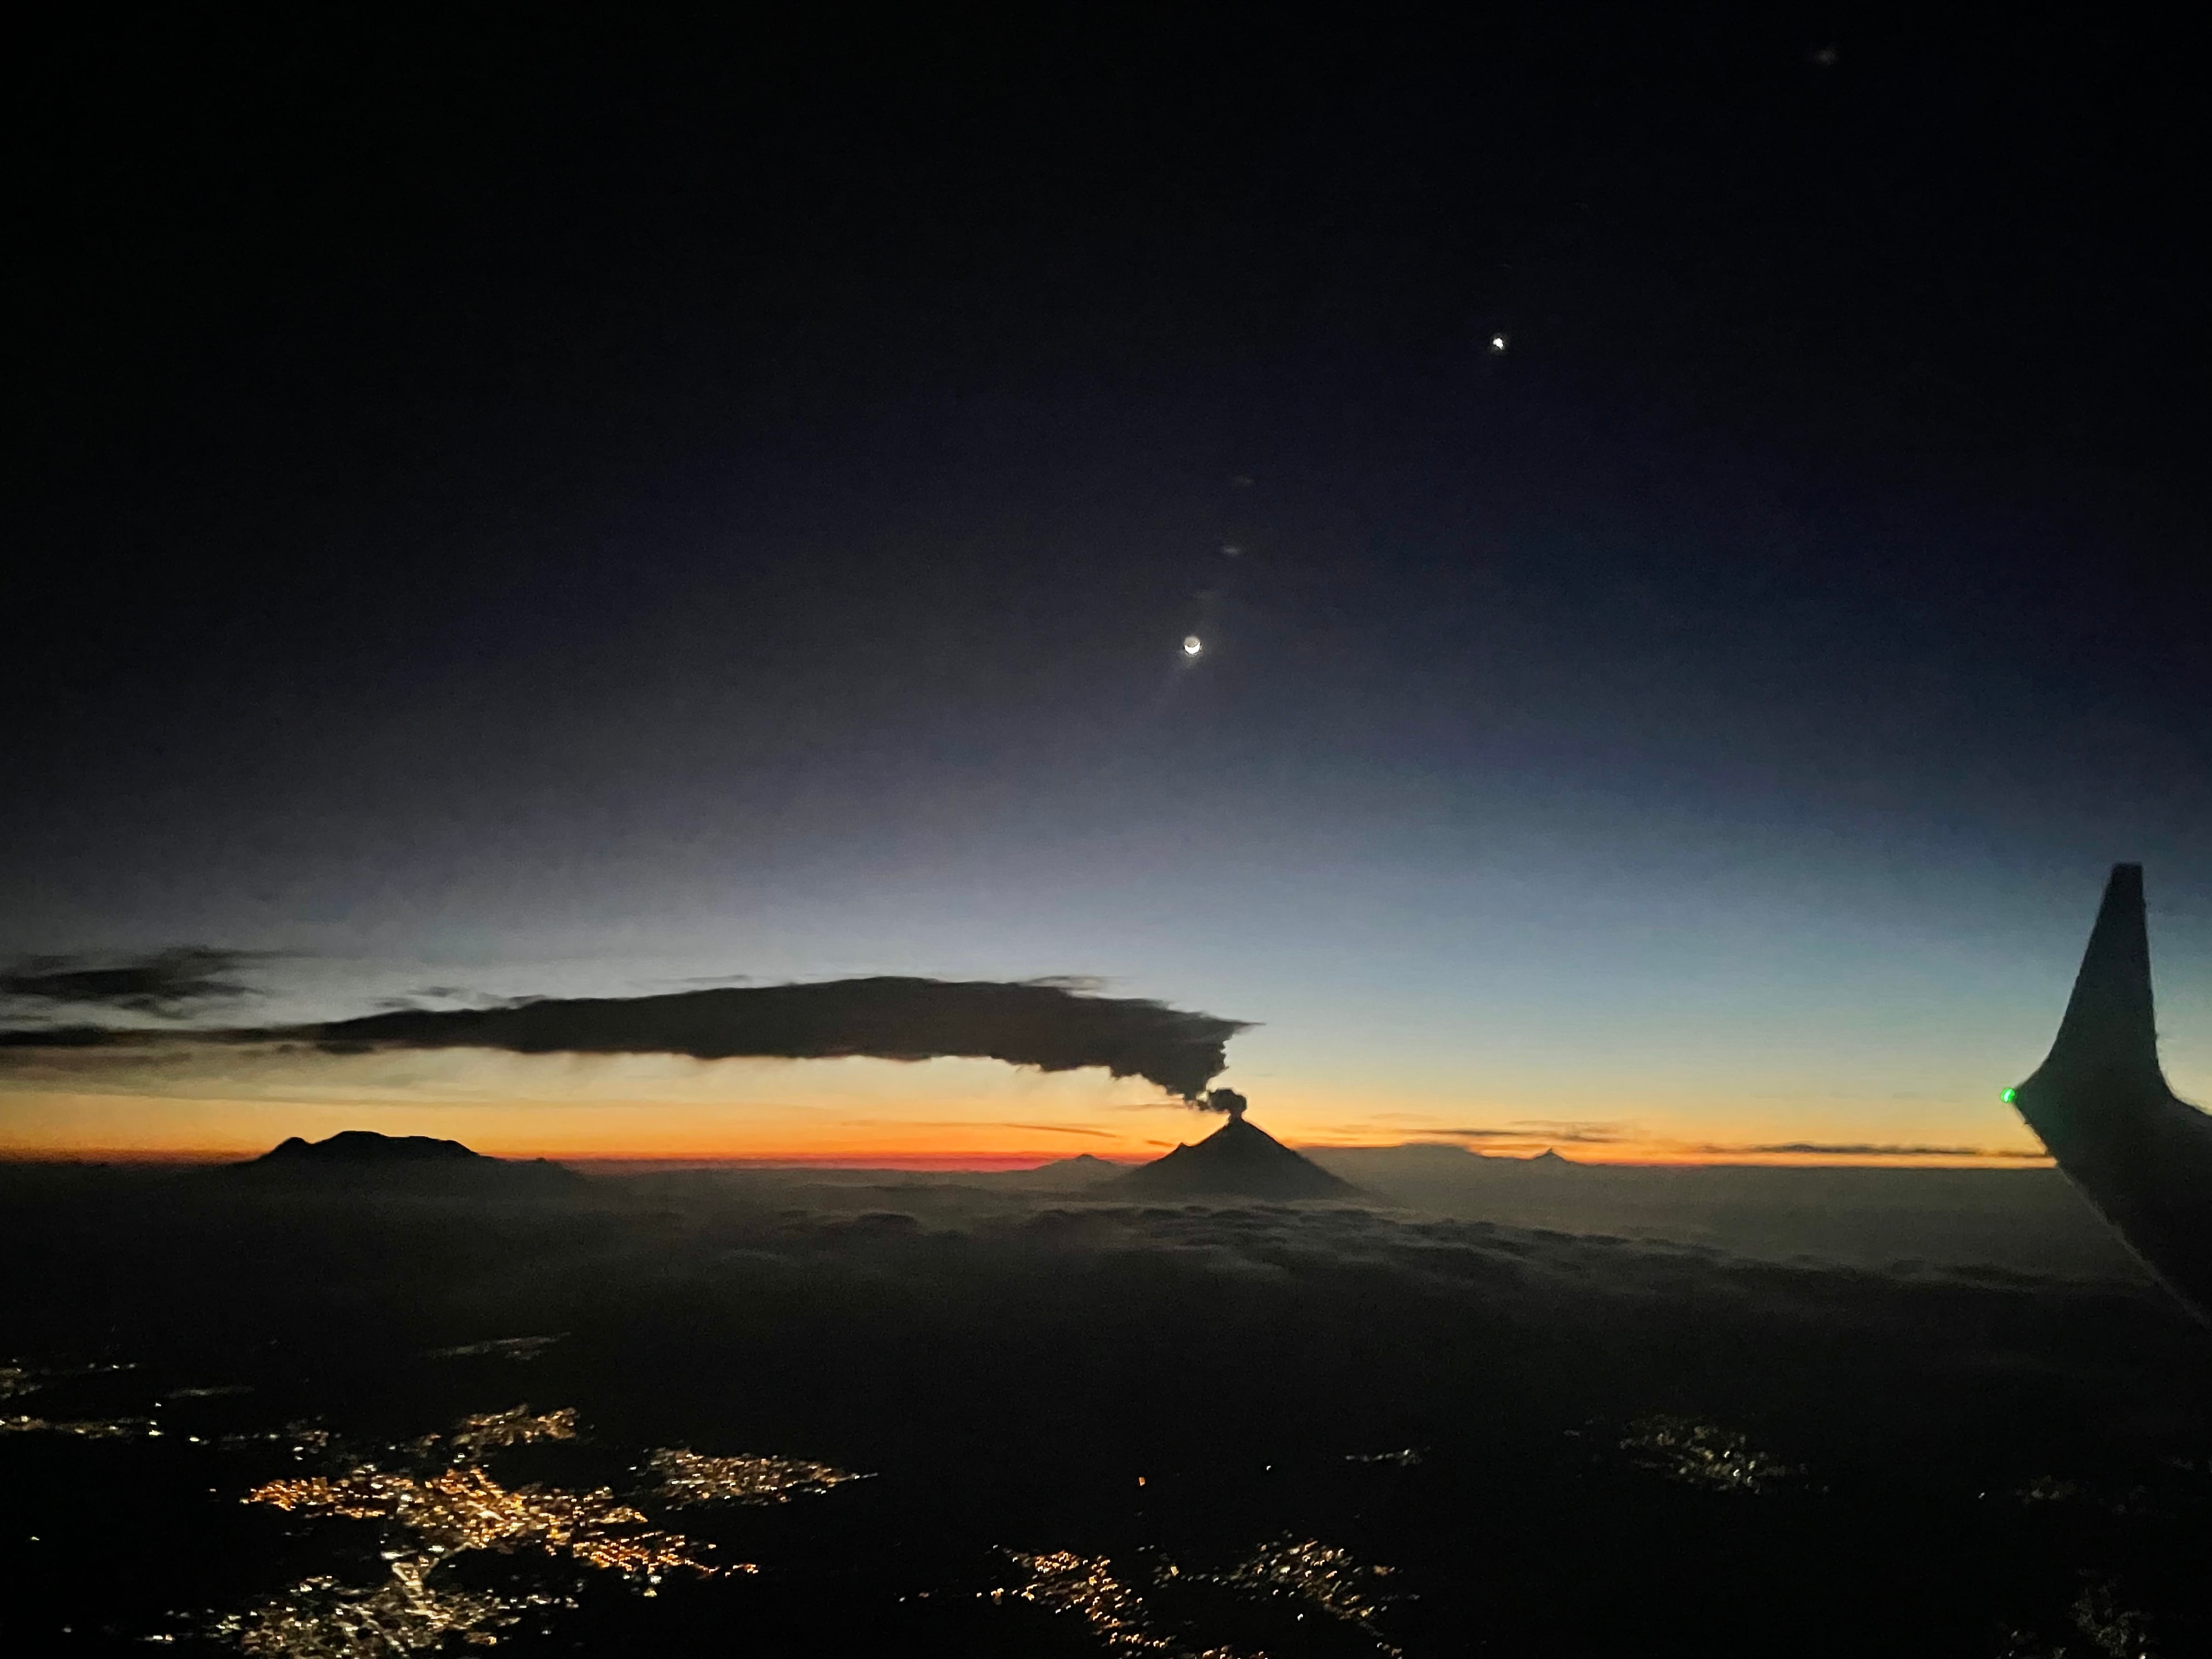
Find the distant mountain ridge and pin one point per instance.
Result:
(1084, 1166)
(362, 1157)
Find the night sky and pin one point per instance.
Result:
(1695, 520)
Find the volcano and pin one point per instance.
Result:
(360, 1146)
(364, 1159)
(1240, 1159)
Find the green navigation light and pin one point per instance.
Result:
(2010, 1096)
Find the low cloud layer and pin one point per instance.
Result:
(1042, 1024)
(1276, 1372)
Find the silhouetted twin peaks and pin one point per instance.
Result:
(1239, 1159)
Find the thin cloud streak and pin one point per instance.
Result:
(1632, 1140)
(168, 984)
(1870, 1149)
(1595, 1134)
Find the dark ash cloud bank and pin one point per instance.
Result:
(1045, 1024)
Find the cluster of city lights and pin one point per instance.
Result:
(437, 1499)
(1703, 1455)
(463, 1508)
(1321, 1574)
(436, 1514)
(301, 1437)
(106, 1428)
(1405, 1457)
(1326, 1579)
(322, 1618)
(1062, 1582)
(687, 1477)
(491, 1431)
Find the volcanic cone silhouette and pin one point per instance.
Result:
(2101, 1105)
(1240, 1159)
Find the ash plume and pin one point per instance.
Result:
(1039, 1024)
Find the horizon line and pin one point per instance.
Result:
(1013, 1161)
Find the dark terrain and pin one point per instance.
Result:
(1561, 1444)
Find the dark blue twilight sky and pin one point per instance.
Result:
(524, 511)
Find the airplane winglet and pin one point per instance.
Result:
(2101, 1105)
(2110, 1028)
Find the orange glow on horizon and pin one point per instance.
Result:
(937, 1114)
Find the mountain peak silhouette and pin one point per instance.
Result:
(367, 1146)
(363, 1159)
(1241, 1159)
